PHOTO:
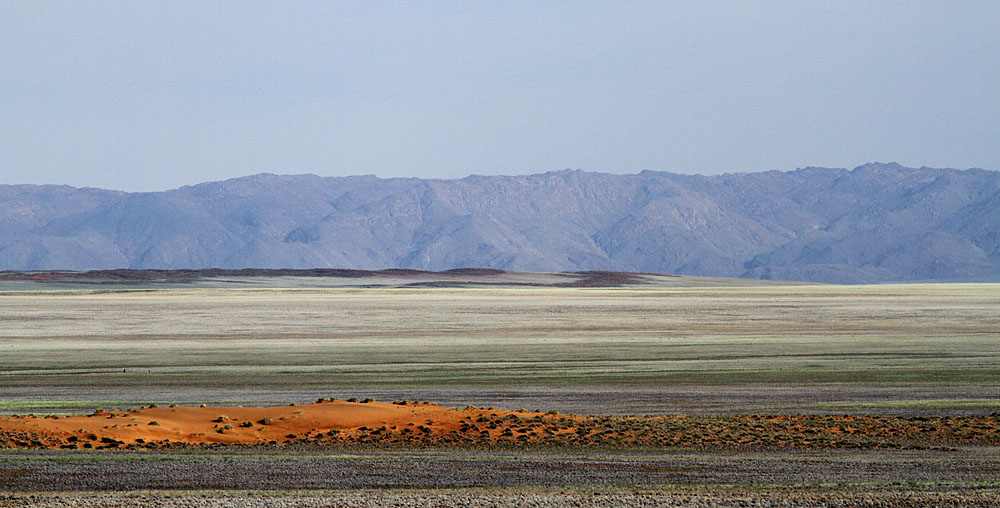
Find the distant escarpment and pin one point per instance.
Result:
(877, 222)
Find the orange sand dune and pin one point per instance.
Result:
(327, 419)
(404, 424)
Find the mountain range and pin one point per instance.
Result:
(875, 223)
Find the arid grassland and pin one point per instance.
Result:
(899, 349)
(786, 395)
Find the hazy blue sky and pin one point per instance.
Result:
(149, 96)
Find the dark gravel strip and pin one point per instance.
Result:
(359, 499)
(124, 471)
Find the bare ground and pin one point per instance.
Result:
(965, 477)
(123, 471)
(797, 497)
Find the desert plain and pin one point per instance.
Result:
(496, 389)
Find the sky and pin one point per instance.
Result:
(145, 96)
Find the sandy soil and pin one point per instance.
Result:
(330, 422)
(244, 425)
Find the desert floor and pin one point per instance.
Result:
(668, 392)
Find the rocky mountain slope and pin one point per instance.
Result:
(877, 222)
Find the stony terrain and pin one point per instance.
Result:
(455, 478)
(448, 499)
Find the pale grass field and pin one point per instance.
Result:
(936, 342)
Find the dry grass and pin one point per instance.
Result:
(186, 340)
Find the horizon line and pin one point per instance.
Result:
(498, 175)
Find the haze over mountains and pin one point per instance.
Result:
(877, 222)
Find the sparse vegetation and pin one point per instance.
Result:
(920, 361)
(740, 337)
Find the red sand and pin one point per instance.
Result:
(243, 425)
(339, 423)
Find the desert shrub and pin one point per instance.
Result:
(154, 422)
(352, 399)
(246, 424)
(265, 421)
(367, 400)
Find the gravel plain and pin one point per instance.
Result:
(964, 477)
(130, 471)
(467, 499)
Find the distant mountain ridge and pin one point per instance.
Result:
(877, 222)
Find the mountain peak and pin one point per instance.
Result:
(880, 166)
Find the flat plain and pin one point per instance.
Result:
(667, 347)
(633, 350)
